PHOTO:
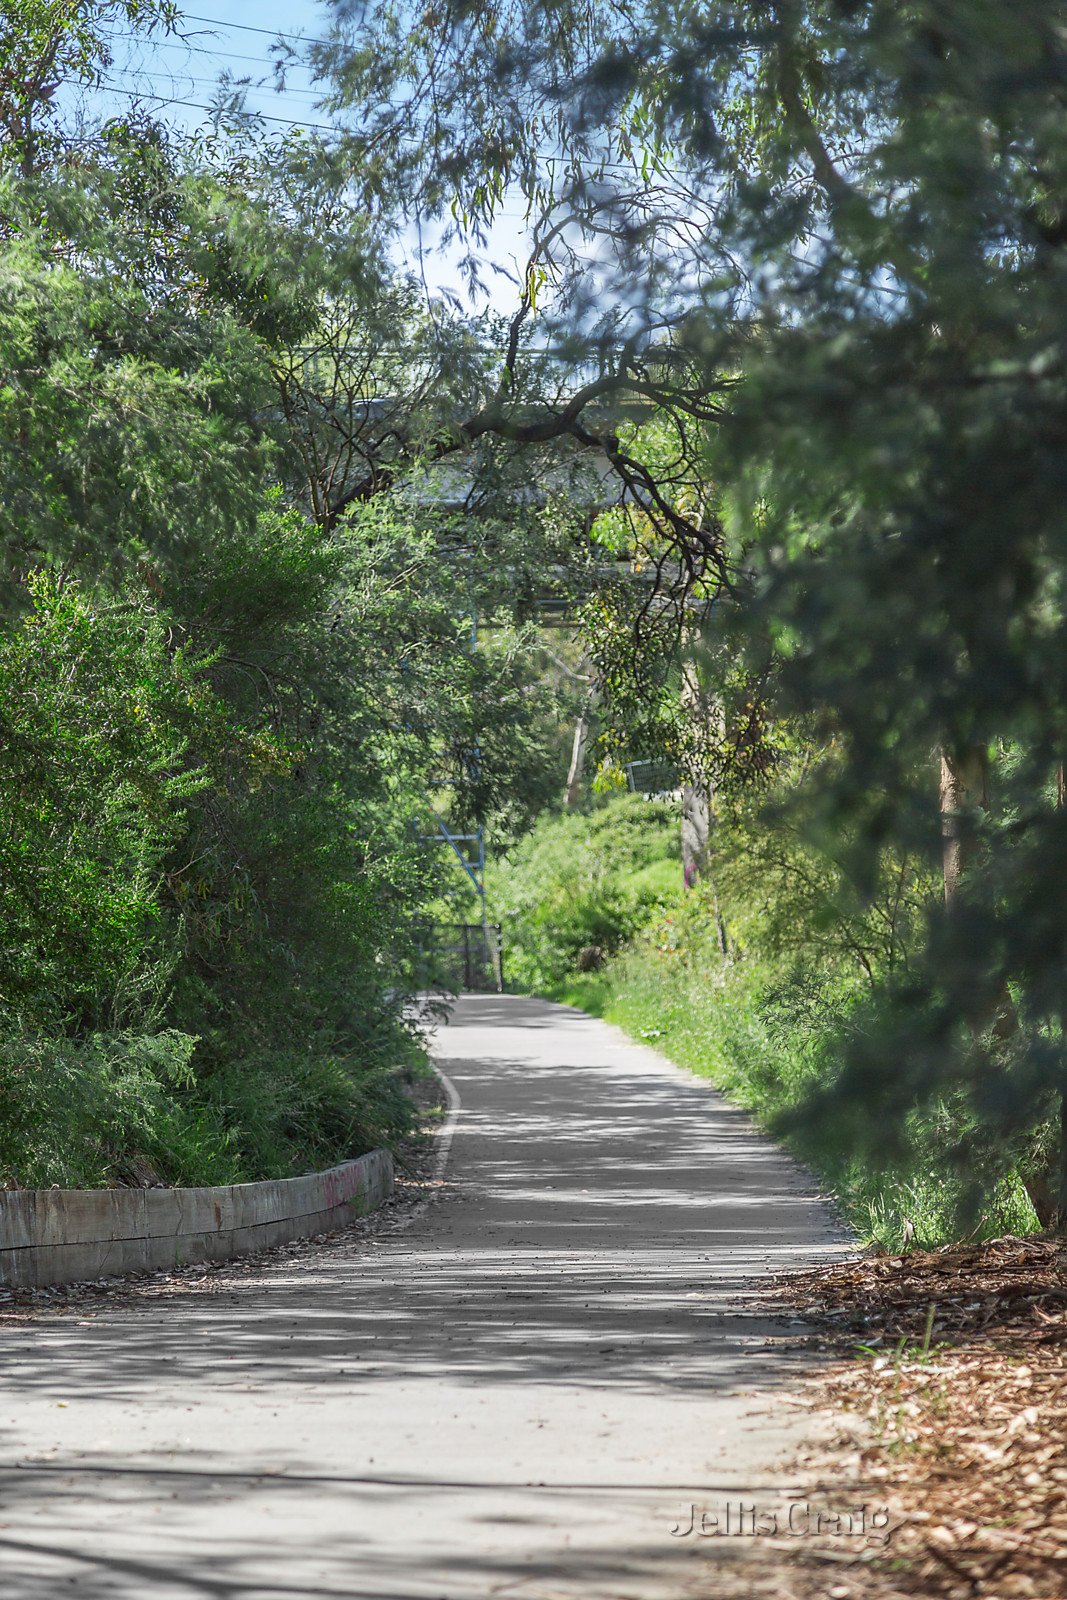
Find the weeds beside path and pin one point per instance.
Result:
(767, 1044)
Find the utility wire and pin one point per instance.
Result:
(271, 62)
(312, 94)
(200, 50)
(252, 114)
(215, 83)
(243, 27)
(198, 105)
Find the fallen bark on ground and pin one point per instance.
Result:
(956, 1359)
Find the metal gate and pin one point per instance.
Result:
(467, 956)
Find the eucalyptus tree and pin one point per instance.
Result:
(857, 208)
(47, 46)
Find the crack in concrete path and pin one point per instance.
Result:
(521, 1393)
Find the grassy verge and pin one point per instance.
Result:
(764, 1041)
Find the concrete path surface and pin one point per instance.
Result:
(519, 1394)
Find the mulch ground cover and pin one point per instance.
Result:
(955, 1362)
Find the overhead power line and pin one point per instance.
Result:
(272, 62)
(199, 105)
(201, 50)
(335, 127)
(236, 83)
(243, 27)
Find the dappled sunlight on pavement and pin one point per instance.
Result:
(517, 1393)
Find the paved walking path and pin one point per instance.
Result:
(513, 1396)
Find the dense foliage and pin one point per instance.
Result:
(846, 218)
(796, 286)
(225, 706)
(580, 885)
(769, 1016)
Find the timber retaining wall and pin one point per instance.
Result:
(50, 1236)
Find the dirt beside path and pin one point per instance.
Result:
(954, 1364)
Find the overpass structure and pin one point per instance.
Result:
(452, 485)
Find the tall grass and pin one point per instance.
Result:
(766, 1040)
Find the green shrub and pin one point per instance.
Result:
(583, 881)
(180, 901)
(281, 1115)
(96, 716)
(130, 1109)
(94, 1111)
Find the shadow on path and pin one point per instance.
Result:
(515, 1394)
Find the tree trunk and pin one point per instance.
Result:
(964, 783)
(696, 832)
(573, 789)
(1047, 1191)
(1058, 1218)
(696, 855)
(698, 803)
